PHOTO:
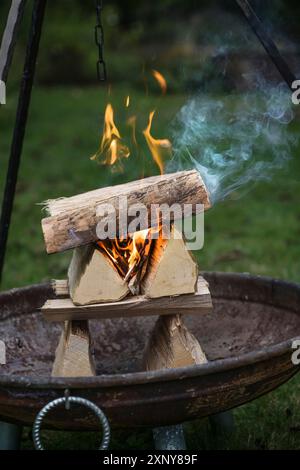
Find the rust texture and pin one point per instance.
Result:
(247, 340)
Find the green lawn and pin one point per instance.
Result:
(257, 233)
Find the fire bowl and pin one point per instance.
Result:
(247, 339)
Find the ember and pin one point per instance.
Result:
(161, 80)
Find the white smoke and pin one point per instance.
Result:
(234, 140)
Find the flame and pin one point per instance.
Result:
(111, 148)
(128, 254)
(159, 148)
(160, 80)
(138, 242)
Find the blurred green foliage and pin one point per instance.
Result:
(189, 41)
(258, 233)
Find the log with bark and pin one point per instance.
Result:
(72, 221)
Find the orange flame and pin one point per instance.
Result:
(128, 254)
(138, 241)
(160, 80)
(112, 147)
(159, 148)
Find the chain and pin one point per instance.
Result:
(99, 40)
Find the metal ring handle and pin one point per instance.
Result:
(80, 401)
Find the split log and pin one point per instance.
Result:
(171, 345)
(93, 278)
(73, 220)
(64, 309)
(171, 269)
(60, 287)
(73, 357)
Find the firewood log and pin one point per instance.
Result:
(171, 345)
(73, 357)
(73, 220)
(171, 269)
(93, 278)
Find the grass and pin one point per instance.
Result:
(257, 233)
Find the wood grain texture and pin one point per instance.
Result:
(61, 309)
(60, 288)
(93, 278)
(73, 220)
(171, 345)
(171, 269)
(259, 362)
(73, 357)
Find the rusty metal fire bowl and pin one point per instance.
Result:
(248, 341)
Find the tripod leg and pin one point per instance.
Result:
(10, 436)
(20, 124)
(169, 438)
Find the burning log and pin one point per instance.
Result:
(73, 220)
(109, 265)
(73, 356)
(109, 270)
(171, 268)
(93, 278)
(172, 345)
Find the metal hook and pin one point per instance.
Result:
(67, 397)
(105, 428)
